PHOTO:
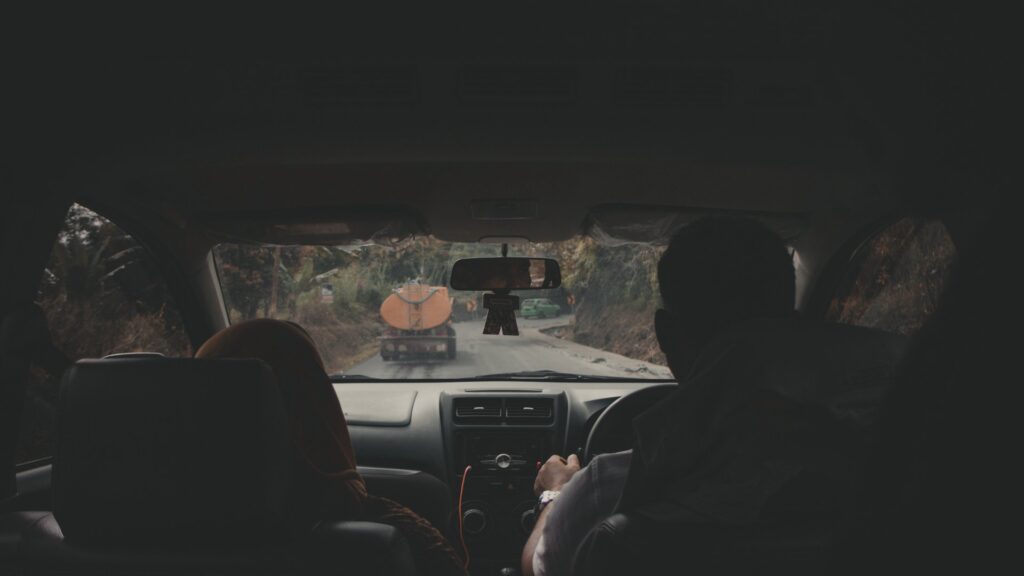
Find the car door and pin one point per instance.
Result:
(550, 308)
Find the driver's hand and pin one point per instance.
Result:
(555, 473)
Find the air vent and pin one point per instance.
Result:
(478, 410)
(497, 410)
(532, 410)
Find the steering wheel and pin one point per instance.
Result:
(613, 429)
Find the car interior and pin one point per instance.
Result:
(296, 181)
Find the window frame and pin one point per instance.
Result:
(162, 265)
(168, 267)
(841, 271)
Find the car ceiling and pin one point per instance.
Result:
(695, 107)
(434, 137)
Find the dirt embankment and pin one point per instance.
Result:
(616, 292)
(623, 330)
(344, 338)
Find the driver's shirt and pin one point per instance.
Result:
(586, 499)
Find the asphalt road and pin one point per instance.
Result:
(531, 350)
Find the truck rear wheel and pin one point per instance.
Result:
(451, 349)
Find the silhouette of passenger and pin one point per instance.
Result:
(327, 484)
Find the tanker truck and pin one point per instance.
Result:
(418, 325)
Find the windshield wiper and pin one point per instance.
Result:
(528, 375)
(340, 376)
(554, 376)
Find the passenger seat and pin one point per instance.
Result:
(182, 466)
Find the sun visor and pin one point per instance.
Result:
(358, 226)
(626, 224)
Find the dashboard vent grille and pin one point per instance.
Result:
(478, 410)
(529, 409)
(489, 410)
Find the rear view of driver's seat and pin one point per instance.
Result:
(839, 375)
(183, 466)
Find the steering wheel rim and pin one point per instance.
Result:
(634, 402)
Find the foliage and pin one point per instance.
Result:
(616, 292)
(900, 275)
(101, 294)
(361, 277)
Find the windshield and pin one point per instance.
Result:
(386, 311)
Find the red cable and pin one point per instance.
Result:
(462, 535)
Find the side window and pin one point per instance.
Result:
(896, 278)
(102, 294)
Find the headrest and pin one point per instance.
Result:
(846, 369)
(159, 452)
(123, 355)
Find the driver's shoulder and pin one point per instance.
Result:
(609, 468)
(612, 459)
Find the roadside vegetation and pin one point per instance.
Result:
(102, 293)
(336, 292)
(900, 276)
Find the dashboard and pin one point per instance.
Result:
(483, 440)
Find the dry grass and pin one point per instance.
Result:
(623, 330)
(344, 339)
(89, 330)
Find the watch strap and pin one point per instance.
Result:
(546, 497)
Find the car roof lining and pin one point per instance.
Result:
(260, 202)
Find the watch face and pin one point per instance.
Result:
(548, 496)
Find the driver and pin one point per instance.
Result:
(716, 273)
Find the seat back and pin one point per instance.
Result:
(182, 466)
(630, 543)
(840, 372)
(171, 451)
(33, 545)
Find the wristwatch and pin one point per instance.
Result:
(546, 497)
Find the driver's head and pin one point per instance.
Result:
(717, 272)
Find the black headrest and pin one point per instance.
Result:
(170, 452)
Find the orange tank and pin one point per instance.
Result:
(417, 307)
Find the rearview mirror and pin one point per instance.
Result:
(506, 274)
